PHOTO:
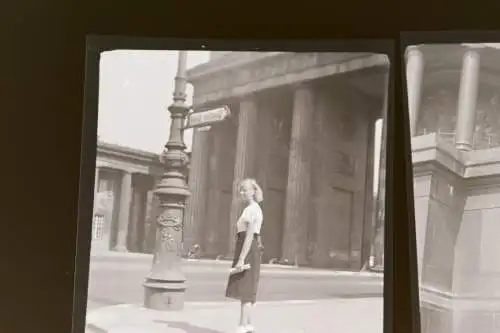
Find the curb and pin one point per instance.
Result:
(203, 305)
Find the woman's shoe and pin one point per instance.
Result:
(241, 329)
(249, 329)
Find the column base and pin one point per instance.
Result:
(164, 295)
(463, 146)
(297, 261)
(101, 245)
(377, 269)
(120, 248)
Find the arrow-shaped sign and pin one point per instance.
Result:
(207, 117)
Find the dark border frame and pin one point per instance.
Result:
(97, 44)
(408, 38)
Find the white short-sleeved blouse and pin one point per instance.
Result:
(251, 214)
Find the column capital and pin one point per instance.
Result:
(100, 164)
(413, 51)
(248, 97)
(126, 172)
(302, 89)
(472, 52)
(301, 85)
(474, 46)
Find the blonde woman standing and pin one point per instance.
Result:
(244, 280)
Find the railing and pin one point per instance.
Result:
(447, 136)
(480, 140)
(485, 141)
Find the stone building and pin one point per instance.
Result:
(302, 124)
(124, 204)
(454, 106)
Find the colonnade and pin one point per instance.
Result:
(467, 97)
(126, 206)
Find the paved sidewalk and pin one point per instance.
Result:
(334, 315)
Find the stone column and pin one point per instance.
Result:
(142, 232)
(211, 230)
(245, 160)
(196, 210)
(137, 223)
(298, 194)
(467, 99)
(265, 143)
(368, 225)
(414, 74)
(379, 236)
(124, 213)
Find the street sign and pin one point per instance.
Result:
(207, 117)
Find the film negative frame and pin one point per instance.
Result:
(98, 44)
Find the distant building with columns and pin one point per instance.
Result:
(303, 125)
(454, 104)
(124, 204)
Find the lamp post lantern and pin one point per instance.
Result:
(166, 283)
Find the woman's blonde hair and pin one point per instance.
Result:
(259, 195)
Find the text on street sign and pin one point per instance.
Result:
(204, 118)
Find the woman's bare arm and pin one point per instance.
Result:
(247, 243)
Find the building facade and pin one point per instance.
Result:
(454, 104)
(302, 124)
(124, 203)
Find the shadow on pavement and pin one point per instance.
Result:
(187, 327)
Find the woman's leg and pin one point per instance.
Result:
(249, 318)
(246, 309)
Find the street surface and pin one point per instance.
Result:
(117, 281)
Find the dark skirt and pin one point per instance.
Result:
(243, 286)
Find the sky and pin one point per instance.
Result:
(135, 90)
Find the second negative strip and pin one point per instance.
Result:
(453, 94)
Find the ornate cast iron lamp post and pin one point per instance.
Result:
(166, 283)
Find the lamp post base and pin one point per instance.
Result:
(164, 295)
